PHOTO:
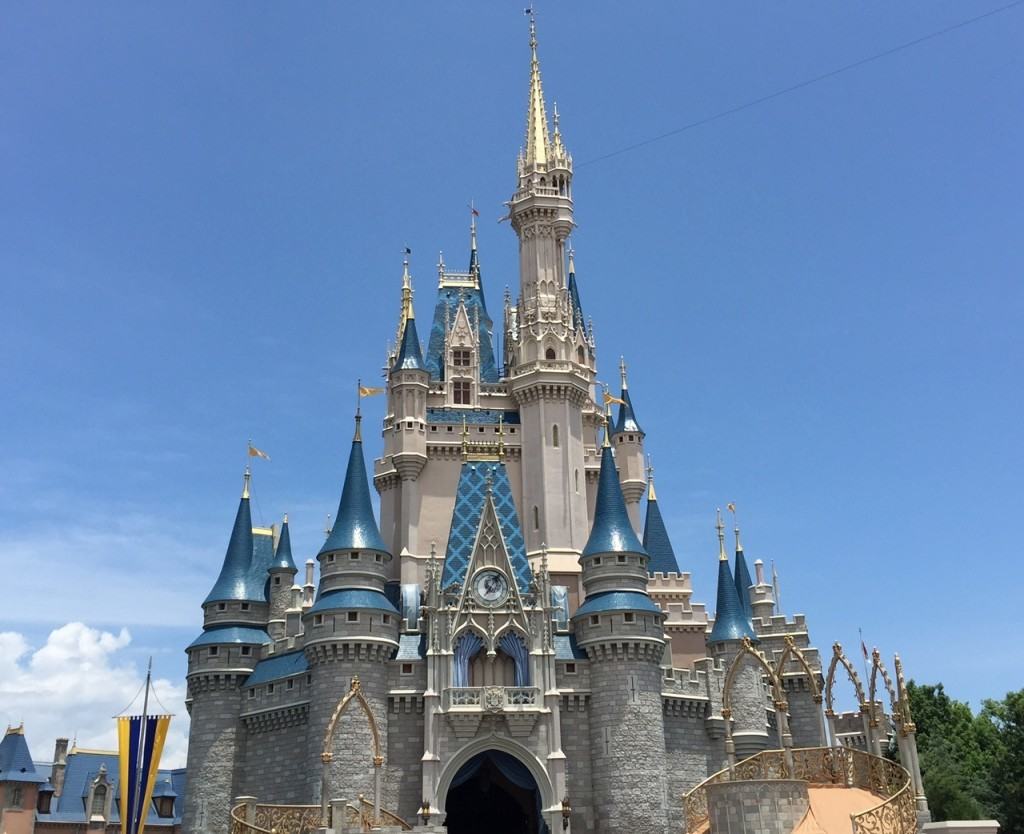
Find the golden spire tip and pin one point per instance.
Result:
(286, 518)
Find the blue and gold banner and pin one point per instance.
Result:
(140, 743)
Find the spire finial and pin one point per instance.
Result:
(572, 260)
(327, 526)
(465, 439)
(358, 436)
(501, 436)
(245, 482)
(650, 480)
(607, 418)
(622, 371)
(736, 525)
(536, 120)
(285, 518)
(720, 526)
(473, 215)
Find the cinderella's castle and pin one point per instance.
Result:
(514, 646)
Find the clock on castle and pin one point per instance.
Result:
(513, 647)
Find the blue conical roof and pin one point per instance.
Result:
(574, 299)
(612, 532)
(626, 420)
(743, 583)
(283, 554)
(410, 357)
(657, 543)
(731, 622)
(355, 527)
(237, 580)
(16, 760)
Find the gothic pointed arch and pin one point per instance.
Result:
(355, 693)
(747, 650)
(840, 659)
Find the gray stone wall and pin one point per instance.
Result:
(350, 773)
(575, 720)
(804, 718)
(627, 742)
(215, 752)
(276, 764)
(690, 755)
(404, 773)
(757, 807)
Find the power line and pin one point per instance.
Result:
(800, 85)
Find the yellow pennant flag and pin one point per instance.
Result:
(365, 391)
(257, 453)
(731, 507)
(609, 399)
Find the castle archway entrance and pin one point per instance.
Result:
(496, 793)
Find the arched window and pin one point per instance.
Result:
(536, 517)
(554, 435)
(549, 354)
(581, 356)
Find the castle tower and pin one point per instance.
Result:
(628, 440)
(620, 629)
(351, 631)
(743, 581)
(549, 383)
(235, 615)
(405, 429)
(732, 625)
(282, 577)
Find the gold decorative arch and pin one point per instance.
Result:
(839, 658)
(747, 648)
(878, 668)
(792, 650)
(905, 718)
(355, 693)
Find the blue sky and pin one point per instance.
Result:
(203, 209)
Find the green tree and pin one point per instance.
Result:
(1006, 718)
(958, 753)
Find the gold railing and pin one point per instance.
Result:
(842, 766)
(304, 819)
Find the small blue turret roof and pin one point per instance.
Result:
(612, 532)
(731, 622)
(616, 601)
(656, 540)
(352, 598)
(410, 357)
(16, 760)
(355, 527)
(626, 420)
(574, 299)
(237, 579)
(283, 555)
(743, 583)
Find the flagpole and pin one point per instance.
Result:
(359, 396)
(133, 824)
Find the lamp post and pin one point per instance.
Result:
(566, 812)
(425, 811)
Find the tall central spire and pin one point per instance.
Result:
(537, 117)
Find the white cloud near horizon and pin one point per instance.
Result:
(74, 683)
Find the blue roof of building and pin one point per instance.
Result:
(278, 666)
(657, 543)
(743, 583)
(444, 312)
(239, 577)
(470, 499)
(612, 532)
(566, 648)
(283, 555)
(231, 634)
(574, 298)
(355, 527)
(731, 622)
(410, 356)
(83, 767)
(353, 598)
(412, 647)
(16, 761)
(473, 416)
(626, 420)
(616, 601)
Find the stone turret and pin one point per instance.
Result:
(732, 625)
(620, 629)
(551, 387)
(235, 616)
(351, 631)
(628, 440)
(282, 576)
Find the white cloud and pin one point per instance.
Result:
(74, 684)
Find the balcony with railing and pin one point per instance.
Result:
(493, 698)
